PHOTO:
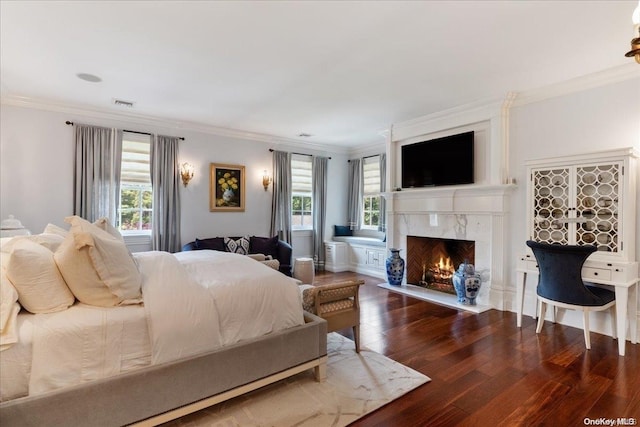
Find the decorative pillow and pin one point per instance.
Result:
(273, 263)
(342, 230)
(97, 266)
(240, 246)
(34, 274)
(215, 244)
(264, 245)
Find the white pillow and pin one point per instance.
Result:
(54, 229)
(97, 266)
(34, 274)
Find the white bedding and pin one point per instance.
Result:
(193, 302)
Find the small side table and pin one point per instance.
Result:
(303, 270)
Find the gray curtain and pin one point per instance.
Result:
(165, 181)
(382, 224)
(319, 181)
(97, 172)
(281, 198)
(354, 201)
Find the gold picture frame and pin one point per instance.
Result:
(226, 188)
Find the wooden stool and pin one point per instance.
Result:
(303, 270)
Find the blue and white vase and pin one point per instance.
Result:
(466, 283)
(395, 267)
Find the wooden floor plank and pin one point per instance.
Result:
(486, 371)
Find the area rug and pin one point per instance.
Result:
(356, 385)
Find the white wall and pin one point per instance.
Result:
(36, 181)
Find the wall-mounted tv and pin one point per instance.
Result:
(441, 161)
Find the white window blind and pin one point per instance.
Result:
(136, 155)
(371, 175)
(301, 174)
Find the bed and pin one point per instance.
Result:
(207, 326)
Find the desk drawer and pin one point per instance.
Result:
(589, 273)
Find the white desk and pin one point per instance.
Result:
(622, 276)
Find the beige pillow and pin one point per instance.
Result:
(97, 266)
(34, 274)
(48, 240)
(105, 225)
(8, 294)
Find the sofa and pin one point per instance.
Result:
(247, 245)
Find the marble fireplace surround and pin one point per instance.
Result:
(476, 212)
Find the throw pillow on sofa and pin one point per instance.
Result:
(264, 245)
(214, 244)
(240, 246)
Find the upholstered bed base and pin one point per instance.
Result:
(182, 387)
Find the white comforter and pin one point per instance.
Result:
(193, 302)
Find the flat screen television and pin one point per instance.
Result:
(441, 161)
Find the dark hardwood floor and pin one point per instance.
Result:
(487, 372)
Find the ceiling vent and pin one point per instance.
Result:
(123, 103)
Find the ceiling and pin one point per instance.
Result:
(340, 71)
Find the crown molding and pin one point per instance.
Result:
(157, 122)
(590, 81)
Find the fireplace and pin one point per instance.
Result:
(432, 261)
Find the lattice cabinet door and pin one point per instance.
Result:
(552, 202)
(598, 205)
(586, 199)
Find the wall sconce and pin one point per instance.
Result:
(635, 43)
(266, 180)
(186, 172)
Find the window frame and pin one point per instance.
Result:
(141, 186)
(370, 195)
(305, 184)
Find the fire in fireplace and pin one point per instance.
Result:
(432, 261)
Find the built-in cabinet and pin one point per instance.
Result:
(367, 259)
(341, 256)
(587, 199)
(336, 256)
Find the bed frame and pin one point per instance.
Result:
(160, 393)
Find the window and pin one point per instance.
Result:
(136, 194)
(301, 193)
(371, 192)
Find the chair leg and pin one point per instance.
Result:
(587, 339)
(356, 337)
(543, 309)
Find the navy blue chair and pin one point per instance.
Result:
(560, 283)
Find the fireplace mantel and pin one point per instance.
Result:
(465, 199)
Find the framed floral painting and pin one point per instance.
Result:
(226, 191)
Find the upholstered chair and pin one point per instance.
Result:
(560, 283)
(337, 303)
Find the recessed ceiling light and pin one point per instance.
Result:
(89, 77)
(123, 103)
(304, 135)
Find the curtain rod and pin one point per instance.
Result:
(366, 157)
(124, 130)
(300, 154)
